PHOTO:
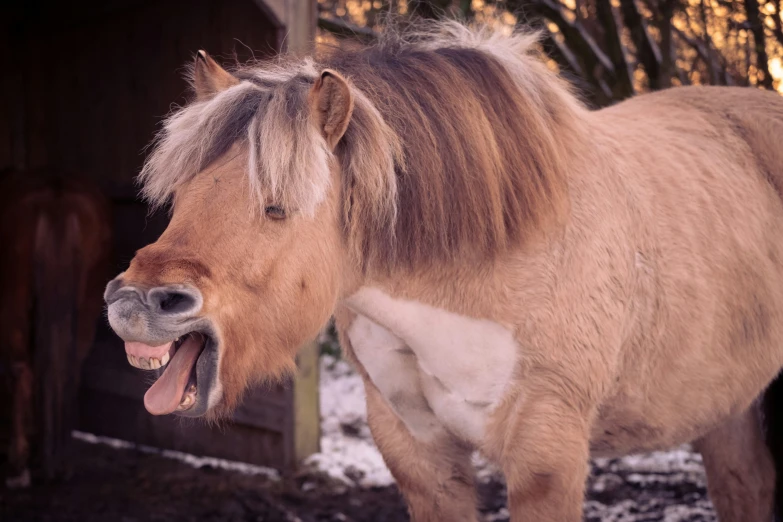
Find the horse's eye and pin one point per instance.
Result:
(275, 212)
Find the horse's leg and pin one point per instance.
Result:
(435, 478)
(21, 412)
(15, 329)
(543, 448)
(740, 469)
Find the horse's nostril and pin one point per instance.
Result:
(173, 301)
(111, 292)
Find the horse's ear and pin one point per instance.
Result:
(332, 104)
(209, 78)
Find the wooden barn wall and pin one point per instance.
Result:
(97, 81)
(85, 86)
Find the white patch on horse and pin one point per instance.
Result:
(434, 367)
(393, 369)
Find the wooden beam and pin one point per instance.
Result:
(306, 404)
(344, 29)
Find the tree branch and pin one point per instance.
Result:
(706, 53)
(759, 41)
(344, 29)
(778, 30)
(714, 68)
(594, 89)
(623, 85)
(594, 61)
(647, 50)
(668, 64)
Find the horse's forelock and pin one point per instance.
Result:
(267, 111)
(289, 160)
(196, 135)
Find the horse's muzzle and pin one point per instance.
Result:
(164, 331)
(152, 315)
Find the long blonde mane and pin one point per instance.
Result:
(458, 142)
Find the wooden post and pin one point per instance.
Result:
(297, 18)
(307, 411)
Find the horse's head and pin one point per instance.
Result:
(406, 165)
(228, 292)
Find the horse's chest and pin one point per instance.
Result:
(436, 369)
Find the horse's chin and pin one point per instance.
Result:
(186, 373)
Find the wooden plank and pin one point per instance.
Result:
(307, 411)
(107, 371)
(263, 408)
(125, 418)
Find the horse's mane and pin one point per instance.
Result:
(457, 143)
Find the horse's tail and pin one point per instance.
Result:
(58, 278)
(773, 420)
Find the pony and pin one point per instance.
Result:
(509, 271)
(55, 231)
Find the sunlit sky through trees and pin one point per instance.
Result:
(650, 44)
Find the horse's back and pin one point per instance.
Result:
(710, 118)
(700, 177)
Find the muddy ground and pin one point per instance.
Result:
(126, 485)
(346, 482)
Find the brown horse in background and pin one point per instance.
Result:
(55, 236)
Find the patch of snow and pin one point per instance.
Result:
(486, 471)
(628, 511)
(501, 515)
(347, 452)
(191, 460)
(680, 460)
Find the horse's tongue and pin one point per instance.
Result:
(166, 393)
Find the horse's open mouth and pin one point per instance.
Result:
(176, 387)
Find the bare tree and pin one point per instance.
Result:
(759, 41)
(614, 50)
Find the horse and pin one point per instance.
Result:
(55, 232)
(510, 271)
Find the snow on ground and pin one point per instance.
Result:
(347, 450)
(191, 460)
(661, 486)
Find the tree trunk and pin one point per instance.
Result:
(759, 42)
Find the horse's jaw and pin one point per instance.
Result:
(186, 368)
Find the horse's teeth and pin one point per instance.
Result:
(187, 402)
(144, 363)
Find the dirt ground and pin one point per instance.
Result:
(346, 482)
(126, 485)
